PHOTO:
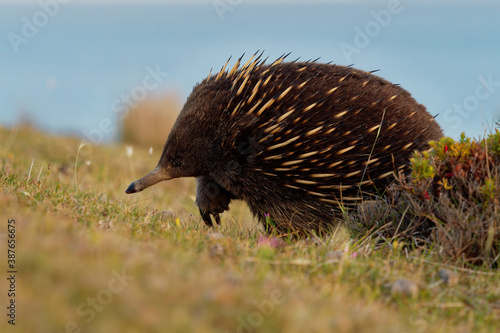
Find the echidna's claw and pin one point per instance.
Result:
(206, 218)
(212, 200)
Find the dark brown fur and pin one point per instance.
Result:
(296, 140)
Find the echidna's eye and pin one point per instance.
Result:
(177, 161)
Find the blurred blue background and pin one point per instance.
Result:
(67, 65)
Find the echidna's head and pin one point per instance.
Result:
(191, 148)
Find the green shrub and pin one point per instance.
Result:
(450, 199)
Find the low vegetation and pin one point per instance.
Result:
(92, 259)
(451, 201)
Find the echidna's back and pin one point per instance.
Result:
(308, 137)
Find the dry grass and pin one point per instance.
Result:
(149, 123)
(184, 277)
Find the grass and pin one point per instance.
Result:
(92, 259)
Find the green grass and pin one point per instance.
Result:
(73, 239)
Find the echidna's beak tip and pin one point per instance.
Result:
(148, 180)
(130, 189)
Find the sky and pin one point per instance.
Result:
(249, 1)
(70, 74)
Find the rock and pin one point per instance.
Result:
(449, 277)
(405, 288)
(216, 251)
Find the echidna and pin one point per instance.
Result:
(296, 140)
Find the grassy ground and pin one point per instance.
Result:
(90, 258)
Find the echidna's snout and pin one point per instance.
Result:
(131, 189)
(148, 180)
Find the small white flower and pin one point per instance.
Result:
(129, 151)
(88, 162)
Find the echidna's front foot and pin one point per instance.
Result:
(211, 199)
